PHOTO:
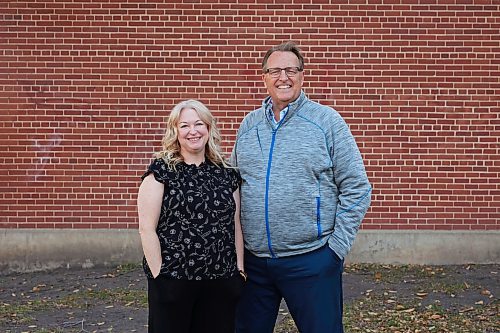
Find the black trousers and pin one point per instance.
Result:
(183, 306)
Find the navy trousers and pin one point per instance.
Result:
(310, 283)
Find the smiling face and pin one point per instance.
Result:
(192, 134)
(283, 89)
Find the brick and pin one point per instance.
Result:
(417, 83)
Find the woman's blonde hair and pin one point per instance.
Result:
(171, 152)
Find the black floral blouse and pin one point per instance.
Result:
(196, 224)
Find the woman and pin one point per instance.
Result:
(190, 230)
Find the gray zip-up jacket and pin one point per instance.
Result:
(304, 182)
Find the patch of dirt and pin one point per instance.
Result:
(432, 298)
(75, 300)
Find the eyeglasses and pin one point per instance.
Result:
(289, 71)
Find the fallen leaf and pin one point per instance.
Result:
(466, 310)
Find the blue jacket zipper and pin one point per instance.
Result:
(268, 175)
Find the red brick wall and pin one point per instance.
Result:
(85, 87)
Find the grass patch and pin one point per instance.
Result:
(375, 314)
(450, 288)
(22, 313)
(127, 268)
(396, 274)
(436, 279)
(121, 296)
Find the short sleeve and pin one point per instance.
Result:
(159, 170)
(235, 179)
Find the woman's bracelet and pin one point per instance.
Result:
(243, 275)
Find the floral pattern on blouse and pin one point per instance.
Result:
(196, 223)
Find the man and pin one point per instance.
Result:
(304, 194)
